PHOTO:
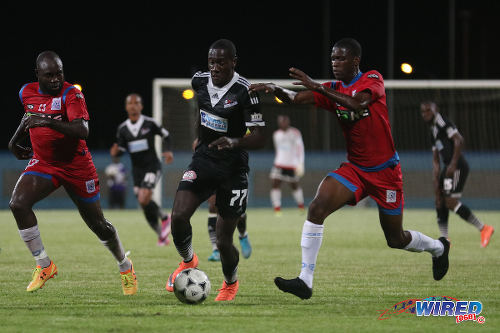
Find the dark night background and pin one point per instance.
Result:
(117, 48)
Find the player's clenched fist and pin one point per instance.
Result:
(224, 143)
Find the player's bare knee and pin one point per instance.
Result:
(18, 207)
(316, 212)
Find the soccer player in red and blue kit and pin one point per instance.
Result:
(56, 120)
(359, 102)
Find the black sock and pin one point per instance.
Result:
(212, 234)
(182, 233)
(242, 225)
(230, 265)
(465, 213)
(442, 219)
(151, 212)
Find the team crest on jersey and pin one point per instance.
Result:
(256, 117)
(213, 122)
(390, 196)
(30, 106)
(228, 103)
(56, 104)
(189, 176)
(145, 131)
(80, 96)
(90, 184)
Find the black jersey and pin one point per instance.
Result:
(138, 139)
(225, 111)
(442, 131)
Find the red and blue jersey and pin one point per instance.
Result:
(369, 140)
(50, 145)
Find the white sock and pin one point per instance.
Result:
(276, 197)
(124, 265)
(298, 195)
(420, 242)
(312, 235)
(32, 239)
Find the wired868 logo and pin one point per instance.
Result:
(438, 306)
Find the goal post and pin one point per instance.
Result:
(473, 105)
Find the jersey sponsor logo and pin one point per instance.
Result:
(372, 76)
(138, 145)
(32, 162)
(213, 122)
(90, 184)
(390, 196)
(189, 176)
(352, 116)
(56, 104)
(228, 103)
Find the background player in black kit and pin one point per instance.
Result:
(136, 135)
(220, 163)
(449, 182)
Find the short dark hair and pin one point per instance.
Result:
(47, 56)
(351, 45)
(225, 44)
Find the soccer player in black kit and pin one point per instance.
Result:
(447, 144)
(220, 161)
(136, 136)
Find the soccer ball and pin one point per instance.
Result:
(192, 286)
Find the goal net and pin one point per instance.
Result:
(474, 107)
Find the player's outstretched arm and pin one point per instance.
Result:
(21, 152)
(78, 128)
(359, 102)
(285, 95)
(255, 140)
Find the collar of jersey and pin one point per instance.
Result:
(220, 91)
(135, 127)
(356, 78)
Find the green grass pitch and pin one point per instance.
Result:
(357, 275)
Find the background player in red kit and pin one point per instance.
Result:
(359, 101)
(57, 120)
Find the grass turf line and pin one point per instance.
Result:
(356, 275)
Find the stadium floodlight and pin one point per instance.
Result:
(278, 100)
(406, 68)
(78, 86)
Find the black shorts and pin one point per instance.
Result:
(205, 177)
(146, 177)
(454, 186)
(286, 175)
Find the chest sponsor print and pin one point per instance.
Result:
(213, 122)
(138, 145)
